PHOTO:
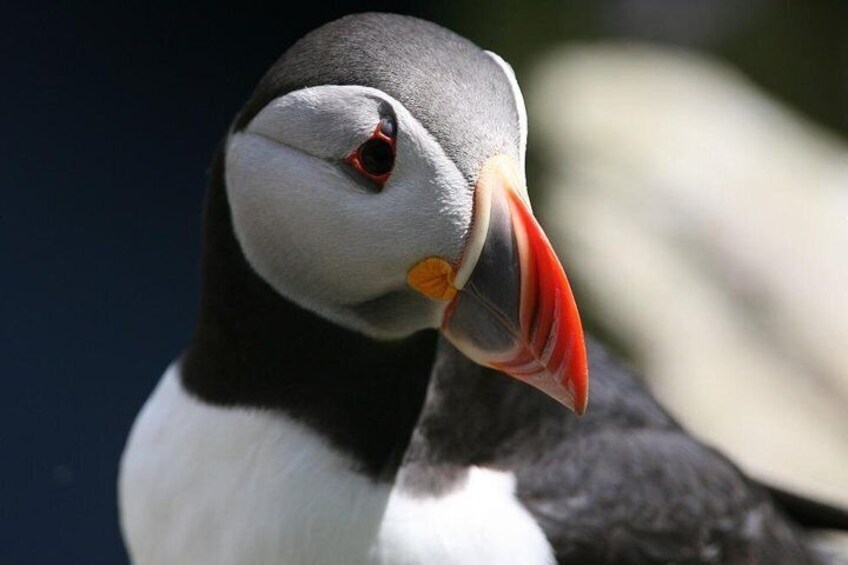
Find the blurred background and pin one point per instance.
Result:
(688, 158)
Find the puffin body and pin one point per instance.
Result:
(211, 485)
(372, 278)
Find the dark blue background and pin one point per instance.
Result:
(110, 117)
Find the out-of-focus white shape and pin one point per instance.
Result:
(708, 228)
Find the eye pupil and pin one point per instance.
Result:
(376, 156)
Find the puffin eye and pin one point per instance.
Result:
(375, 158)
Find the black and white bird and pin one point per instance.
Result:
(372, 272)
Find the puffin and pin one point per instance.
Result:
(389, 365)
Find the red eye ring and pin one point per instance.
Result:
(374, 158)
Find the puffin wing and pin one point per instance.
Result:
(628, 485)
(622, 484)
(650, 496)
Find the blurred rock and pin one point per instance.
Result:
(706, 228)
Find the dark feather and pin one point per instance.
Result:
(622, 484)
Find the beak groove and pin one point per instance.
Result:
(513, 309)
(551, 354)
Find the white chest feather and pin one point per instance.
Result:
(207, 485)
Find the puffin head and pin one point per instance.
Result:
(376, 178)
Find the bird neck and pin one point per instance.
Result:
(253, 347)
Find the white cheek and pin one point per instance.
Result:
(321, 121)
(282, 217)
(428, 198)
(324, 242)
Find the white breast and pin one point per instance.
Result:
(208, 485)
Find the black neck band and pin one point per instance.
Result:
(255, 348)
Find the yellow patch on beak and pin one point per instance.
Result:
(433, 277)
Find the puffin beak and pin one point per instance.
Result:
(510, 305)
